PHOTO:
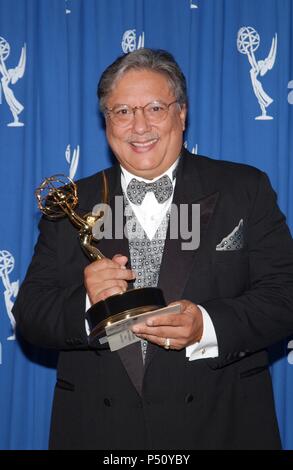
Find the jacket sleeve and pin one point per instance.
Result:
(47, 313)
(263, 314)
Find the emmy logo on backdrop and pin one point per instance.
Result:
(11, 288)
(194, 150)
(72, 160)
(10, 77)
(129, 43)
(67, 11)
(193, 5)
(248, 41)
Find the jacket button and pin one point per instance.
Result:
(107, 402)
(189, 398)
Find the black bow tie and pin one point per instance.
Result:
(162, 189)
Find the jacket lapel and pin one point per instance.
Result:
(178, 263)
(131, 356)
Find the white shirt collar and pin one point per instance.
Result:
(150, 213)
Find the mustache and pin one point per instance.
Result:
(144, 138)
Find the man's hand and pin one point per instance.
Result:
(107, 277)
(181, 329)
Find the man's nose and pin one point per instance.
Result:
(140, 123)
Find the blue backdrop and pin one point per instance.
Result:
(237, 56)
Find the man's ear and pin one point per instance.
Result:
(183, 114)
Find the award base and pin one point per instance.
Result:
(263, 118)
(119, 334)
(122, 307)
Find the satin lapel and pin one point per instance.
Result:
(177, 263)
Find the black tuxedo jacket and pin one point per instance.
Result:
(107, 400)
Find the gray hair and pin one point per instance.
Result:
(156, 60)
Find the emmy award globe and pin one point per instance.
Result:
(57, 197)
(4, 49)
(247, 40)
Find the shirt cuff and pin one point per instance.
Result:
(207, 347)
(87, 306)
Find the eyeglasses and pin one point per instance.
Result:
(122, 115)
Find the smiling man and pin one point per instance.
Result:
(146, 133)
(194, 380)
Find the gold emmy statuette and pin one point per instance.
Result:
(57, 197)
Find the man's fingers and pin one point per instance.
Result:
(117, 262)
(121, 260)
(122, 285)
(108, 274)
(161, 341)
(101, 291)
(101, 265)
(125, 274)
(108, 292)
(107, 277)
(167, 319)
(182, 329)
(159, 331)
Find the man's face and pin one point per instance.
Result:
(143, 149)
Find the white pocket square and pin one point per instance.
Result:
(233, 241)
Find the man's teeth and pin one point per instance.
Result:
(144, 144)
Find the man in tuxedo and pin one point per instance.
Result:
(198, 379)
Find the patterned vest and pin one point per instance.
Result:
(145, 254)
